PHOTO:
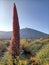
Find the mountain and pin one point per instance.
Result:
(27, 33)
(5, 35)
(31, 33)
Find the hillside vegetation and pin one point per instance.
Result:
(32, 52)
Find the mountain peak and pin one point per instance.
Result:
(31, 33)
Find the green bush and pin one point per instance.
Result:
(43, 55)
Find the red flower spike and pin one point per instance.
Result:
(15, 40)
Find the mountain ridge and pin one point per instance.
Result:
(28, 33)
(34, 30)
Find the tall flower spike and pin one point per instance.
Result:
(15, 40)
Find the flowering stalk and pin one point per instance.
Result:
(15, 40)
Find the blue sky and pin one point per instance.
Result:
(32, 14)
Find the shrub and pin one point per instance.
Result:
(43, 55)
